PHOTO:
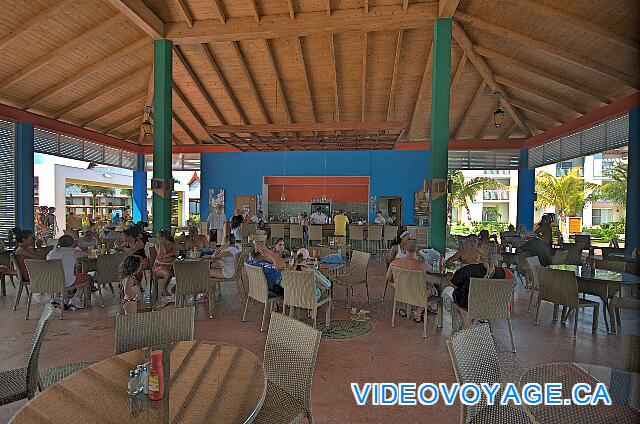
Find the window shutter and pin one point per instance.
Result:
(7, 176)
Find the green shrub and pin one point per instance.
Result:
(606, 231)
(492, 226)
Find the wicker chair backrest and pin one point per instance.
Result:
(315, 232)
(277, 230)
(36, 343)
(489, 298)
(45, 276)
(558, 287)
(356, 232)
(574, 253)
(16, 267)
(258, 287)
(533, 262)
(299, 289)
(359, 264)
(295, 231)
(107, 267)
(410, 286)
(390, 232)
(192, 277)
(559, 257)
(374, 233)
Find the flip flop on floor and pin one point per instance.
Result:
(362, 312)
(402, 313)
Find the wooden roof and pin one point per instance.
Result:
(311, 74)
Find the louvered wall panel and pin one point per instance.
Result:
(7, 176)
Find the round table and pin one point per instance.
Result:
(622, 388)
(204, 382)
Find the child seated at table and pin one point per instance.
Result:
(302, 263)
(130, 288)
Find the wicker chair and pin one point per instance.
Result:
(559, 257)
(259, 290)
(21, 283)
(390, 233)
(476, 360)
(411, 288)
(532, 263)
(489, 300)
(107, 267)
(277, 232)
(617, 303)
(237, 275)
(356, 233)
(619, 266)
(289, 360)
(51, 376)
(295, 233)
(154, 328)
(632, 353)
(574, 253)
(192, 277)
(607, 253)
(315, 234)
(300, 292)
(561, 288)
(357, 274)
(374, 235)
(247, 229)
(21, 383)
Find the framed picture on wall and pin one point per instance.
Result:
(216, 197)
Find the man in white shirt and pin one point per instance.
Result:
(87, 240)
(66, 252)
(258, 218)
(380, 219)
(226, 256)
(318, 217)
(216, 220)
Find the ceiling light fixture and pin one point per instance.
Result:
(147, 125)
(498, 114)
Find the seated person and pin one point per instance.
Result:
(130, 289)
(25, 250)
(225, 256)
(272, 264)
(539, 248)
(163, 265)
(88, 240)
(195, 240)
(468, 253)
(132, 244)
(67, 252)
(303, 263)
(412, 262)
(398, 245)
(281, 250)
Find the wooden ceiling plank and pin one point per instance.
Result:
(225, 85)
(536, 111)
(121, 123)
(363, 98)
(254, 9)
(141, 16)
(54, 54)
(196, 81)
(394, 76)
(487, 75)
(508, 129)
(190, 108)
(40, 97)
(247, 74)
(565, 55)
(276, 74)
(218, 8)
(305, 76)
(564, 18)
(336, 97)
(405, 5)
(328, 7)
(185, 12)
(96, 94)
(467, 112)
(424, 83)
(459, 72)
(292, 12)
(109, 110)
(446, 8)
(308, 127)
(306, 23)
(185, 129)
(366, 6)
(585, 90)
(34, 22)
(542, 94)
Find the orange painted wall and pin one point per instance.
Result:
(303, 189)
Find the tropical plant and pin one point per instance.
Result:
(95, 192)
(494, 227)
(464, 190)
(615, 189)
(567, 193)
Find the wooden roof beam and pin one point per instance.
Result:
(42, 96)
(381, 18)
(56, 53)
(508, 129)
(190, 108)
(185, 129)
(467, 112)
(366, 6)
(446, 8)
(292, 12)
(276, 74)
(131, 76)
(424, 83)
(218, 8)
(363, 97)
(308, 127)
(141, 16)
(536, 111)
(578, 22)
(487, 75)
(394, 76)
(565, 55)
(254, 9)
(405, 5)
(110, 109)
(247, 74)
(122, 123)
(603, 99)
(328, 7)
(27, 26)
(334, 69)
(305, 76)
(185, 12)
(573, 107)
(459, 72)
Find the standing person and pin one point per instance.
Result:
(52, 223)
(165, 257)
(226, 254)
(130, 287)
(66, 252)
(303, 219)
(116, 219)
(318, 217)
(543, 229)
(215, 221)
(340, 222)
(258, 219)
(74, 222)
(380, 219)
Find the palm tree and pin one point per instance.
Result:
(463, 191)
(95, 192)
(615, 189)
(567, 193)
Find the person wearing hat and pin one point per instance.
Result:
(67, 252)
(88, 240)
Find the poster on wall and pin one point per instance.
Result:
(216, 198)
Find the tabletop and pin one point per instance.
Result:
(206, 382)
(622, 387)
(600, 274)
(624, 257)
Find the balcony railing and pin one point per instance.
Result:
(495, 195)
(565, 171)
(496, 172)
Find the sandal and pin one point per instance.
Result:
(402, 313)
(421, 318)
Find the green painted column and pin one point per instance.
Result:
(440, 80)
(162, 80)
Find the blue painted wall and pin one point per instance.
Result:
(526, 189)
(391, 172)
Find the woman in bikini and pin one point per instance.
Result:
(130, 287)
(133, 245)
(163, 265)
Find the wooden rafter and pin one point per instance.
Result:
(141, 16)
(305, 76)
(487, 75)
(459, 72)
(334, 69)
(190, 108)
(540, 93)
(366, 6)
(218, 8)
(196, 81)
(551, 117)
(541, 73)
(328, 7)
(111, 129)
(306, 23)
(132, 76)
(364, 76)
(424, 83)
(560, 53)
(394, 76)
(185, 129)
(508, 129)
(307, 127)
(130, 136)
(42, 96)
(446, 8)
(405, 5)
(254, 9)
(292, 12)
(564, 18)
(113, 108)
(185, 12)
(27, 26)
(276, 74)
(467, 112)
(247, 74)
(62, 50)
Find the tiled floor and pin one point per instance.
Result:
(385, 355)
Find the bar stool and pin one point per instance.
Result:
(295, 233)
(356, 233)
(277, 232)
(315, 234)
(390, 232)
(374, 236)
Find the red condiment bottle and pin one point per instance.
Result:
(156, 376)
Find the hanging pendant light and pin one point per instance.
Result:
(147, 125)
(498, 114)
